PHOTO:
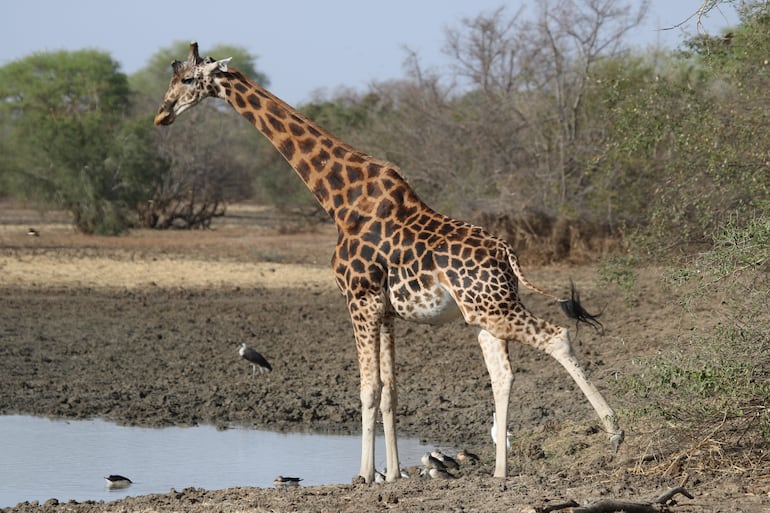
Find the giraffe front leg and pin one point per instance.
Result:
(495, 352)
(389, 399)
(368, 362)
(367, 315)
(561, 349)
(370, 390)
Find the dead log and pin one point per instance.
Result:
(659, 505)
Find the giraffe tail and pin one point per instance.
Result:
(571, 306)
(574, 310)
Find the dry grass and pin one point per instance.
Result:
(248, 248)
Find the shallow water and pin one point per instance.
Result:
(66, 459)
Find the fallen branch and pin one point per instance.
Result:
(661, 504)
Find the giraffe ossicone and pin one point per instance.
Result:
(395, 258)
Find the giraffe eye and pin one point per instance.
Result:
(187, 80)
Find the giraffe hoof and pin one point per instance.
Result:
(616, 440)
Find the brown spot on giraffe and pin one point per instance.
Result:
(395, 257)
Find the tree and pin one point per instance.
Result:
(510, 128)
(212, 157)
(685, 148)
(69, 142)
(539, 71)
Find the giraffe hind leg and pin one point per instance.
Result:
(495, 352)
(524, 327)
(560, 348)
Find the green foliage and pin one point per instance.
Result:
(717, 378)
(344, 115)
(739, 247)
(723, 376)
(69, 142)
(686, 148)
(620, 270)
(720, 380)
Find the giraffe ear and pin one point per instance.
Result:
(222, 64)
(216, 66)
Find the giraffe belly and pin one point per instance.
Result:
(431, 306)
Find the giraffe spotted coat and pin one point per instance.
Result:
(395, 257)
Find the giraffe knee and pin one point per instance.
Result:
(370, 395)
(498, 364)
(387, 399)
(559, 345)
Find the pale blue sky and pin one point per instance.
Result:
(302, 46)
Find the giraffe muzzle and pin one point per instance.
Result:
(164, 117)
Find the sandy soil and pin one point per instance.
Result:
(143, 330)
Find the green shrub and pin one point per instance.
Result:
(720, 378)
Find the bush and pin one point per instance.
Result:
(717, 385)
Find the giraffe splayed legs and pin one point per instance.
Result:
(395, 256)
(495, 352)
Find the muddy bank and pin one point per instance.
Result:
(144, 330)
(158, 357)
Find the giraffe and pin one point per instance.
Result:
(396, 258)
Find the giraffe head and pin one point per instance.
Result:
(192, 81)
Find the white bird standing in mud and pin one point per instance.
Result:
(258, 362)
(493, 432)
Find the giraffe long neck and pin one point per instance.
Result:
(336, 174)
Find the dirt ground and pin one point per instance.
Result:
(144, 329)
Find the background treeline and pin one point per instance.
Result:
(563, 132)
(547, 127)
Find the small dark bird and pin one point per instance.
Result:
(115, 481)
(430, 461)
(467, 457)
(33, 233)
(437, 473)
(286, 482)
(449, 462)
(258, 362)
